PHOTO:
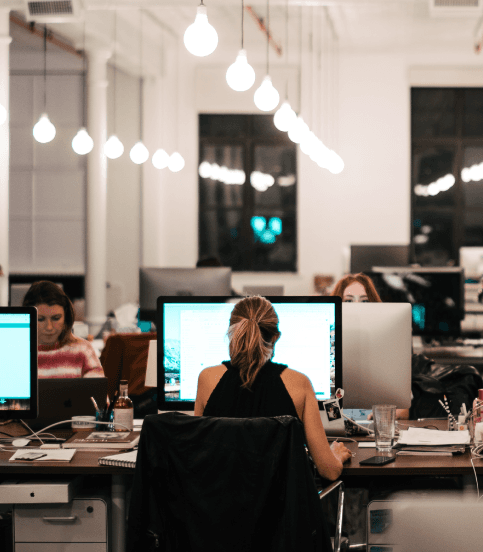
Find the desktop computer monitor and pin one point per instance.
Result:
(376, 354)
(184, 282)
(471, 260)
(364, 257)
(192, 335)
(435, 293)
(18, 363)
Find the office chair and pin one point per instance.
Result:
(125, 356)
(207, 483)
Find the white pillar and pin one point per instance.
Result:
(4, 152)
(96, 191)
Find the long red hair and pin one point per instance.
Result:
(361, 278)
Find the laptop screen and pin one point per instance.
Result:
(192, 335)
(18, 362)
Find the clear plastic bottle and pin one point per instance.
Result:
(123, 409)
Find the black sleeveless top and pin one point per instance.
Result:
(267, 397)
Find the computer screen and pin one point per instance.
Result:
(18, 363)
(192, 335)
(471, 260)
(155, 282)
(435, 293)
(364, 257)
(376, 354)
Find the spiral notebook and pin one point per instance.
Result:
(123, 460)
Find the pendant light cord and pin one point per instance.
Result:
(45, 68)
(141, 129)
(286, 49)
(242, 15)
(84, 76)
(268, 33)
(114, 83)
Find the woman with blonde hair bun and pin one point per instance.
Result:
(251, 385)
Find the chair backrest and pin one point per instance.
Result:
(206, 483)
(125, 356)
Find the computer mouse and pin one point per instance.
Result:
(20, 442)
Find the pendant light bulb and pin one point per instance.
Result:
(266, 96)
(44, 130)
(82, 143)
(298, 130)
(176, 162)
(201, 38)
(336, 164)
(284, 117)
(3, 114)
(160, 159)
(139, 153)
(113, 148)
(240, 76)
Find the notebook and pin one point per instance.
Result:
(123, 460)
(103, 440)
(62, 398)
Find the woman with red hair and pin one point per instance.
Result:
(356, 288)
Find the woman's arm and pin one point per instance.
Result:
(328, 459)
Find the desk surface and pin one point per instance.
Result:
(86, 462)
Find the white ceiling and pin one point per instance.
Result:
(359, 25)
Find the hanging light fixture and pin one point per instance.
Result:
(3, 114)
(266, 96)
(113, 148)
(160, 158)
(139, 153)
(176, 161)
(44, 130)
(82, 143)
(240, 76)
(285, 116)
(201, 38)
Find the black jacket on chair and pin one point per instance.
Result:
(224, 484)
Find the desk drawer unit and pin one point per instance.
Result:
(79, 526)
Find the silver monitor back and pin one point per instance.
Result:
(376, 354)
(157, 281)
(264, 291)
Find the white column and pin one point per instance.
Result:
(4, 152)
(96, 190)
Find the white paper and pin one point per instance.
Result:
(367, 444)
(52, 455)
(421, 436)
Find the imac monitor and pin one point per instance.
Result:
(184, 282)
(192, 335)
(18, 363)
(364, 257)
(471, 260)
(436, 295)
(376, 354)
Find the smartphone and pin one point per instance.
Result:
(377, 461)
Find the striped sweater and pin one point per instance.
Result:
(72, 360)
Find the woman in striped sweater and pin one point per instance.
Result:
(60, 353)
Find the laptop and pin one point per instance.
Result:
(62, 398)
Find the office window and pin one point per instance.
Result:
(247, 193)
(446, 173)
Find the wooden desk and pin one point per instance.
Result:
(412, 465)
(84, 463)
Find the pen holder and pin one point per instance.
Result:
(104, 416)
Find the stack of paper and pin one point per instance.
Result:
(420, 441)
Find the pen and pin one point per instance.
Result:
(95, 404)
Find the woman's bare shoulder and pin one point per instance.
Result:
(296, 377)
(213, 372)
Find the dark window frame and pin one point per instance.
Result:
(457, 142)
(248, 139)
